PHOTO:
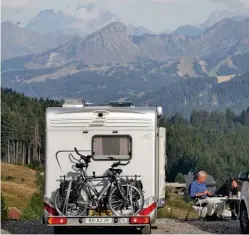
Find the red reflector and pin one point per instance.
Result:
(57, 220)
(140, 220)
(50, 209)
(149, 209)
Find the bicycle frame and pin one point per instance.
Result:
(108, 187)
(90, 187)
(99, 195)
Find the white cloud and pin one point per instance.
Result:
(16, 4)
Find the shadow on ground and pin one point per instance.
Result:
(120, 230)
(35, 227)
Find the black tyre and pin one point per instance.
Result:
(74, 209)
(146, 230)
(244, 220)
(119, 206)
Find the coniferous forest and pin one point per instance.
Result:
(216, 142)
(22, 127)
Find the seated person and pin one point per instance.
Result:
(230, 189)
(198, 189)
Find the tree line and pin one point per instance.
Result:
(213, 141)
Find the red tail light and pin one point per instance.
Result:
(149, 209)
(50, 209)
(57, 220)
(139, 220)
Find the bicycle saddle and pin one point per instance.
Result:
(112, 171)
(81, 165)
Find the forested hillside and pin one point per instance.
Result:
(22, 127)
(149, 83)
(215, 142)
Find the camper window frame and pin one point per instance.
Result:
(127, 136)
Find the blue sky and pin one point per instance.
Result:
(156, 15)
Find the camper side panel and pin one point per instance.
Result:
(162, 165)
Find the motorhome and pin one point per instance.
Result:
(80, 125)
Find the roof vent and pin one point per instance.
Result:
(74, 103)
(120, 104)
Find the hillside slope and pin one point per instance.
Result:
(18, 41)
(17, 184)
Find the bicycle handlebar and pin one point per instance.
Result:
(76, 150)
(87, 159)
(124, 164)
(116, 164)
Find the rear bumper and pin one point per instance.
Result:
(150, 211)
(112, 222)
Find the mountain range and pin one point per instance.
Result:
(85, 20)
(50, 28)
(218, 15)
(113, 44)
(17, 41)
(199, 67)
(82, 21)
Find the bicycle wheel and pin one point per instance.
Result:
(119, 206)
(77, 208)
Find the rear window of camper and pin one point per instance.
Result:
(106, 147)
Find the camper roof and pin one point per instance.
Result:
(101, 108)
(72, 103)
(81, 106)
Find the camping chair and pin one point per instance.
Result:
(211, 186)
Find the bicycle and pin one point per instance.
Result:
(67, 198)
(78, 195)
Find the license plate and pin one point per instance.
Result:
(98, 220)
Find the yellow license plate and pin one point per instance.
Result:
(100, 213)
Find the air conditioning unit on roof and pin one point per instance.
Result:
(73, 103)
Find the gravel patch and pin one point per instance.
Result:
(26, 227)
(164, 226)
(197, 227)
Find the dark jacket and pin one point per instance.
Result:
(226, 188)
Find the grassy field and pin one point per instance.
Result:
(18, 185)
(176, 207)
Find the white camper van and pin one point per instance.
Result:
(78, 125)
